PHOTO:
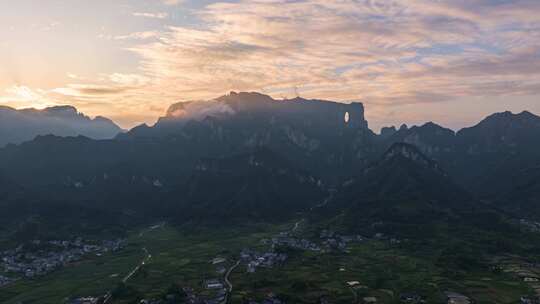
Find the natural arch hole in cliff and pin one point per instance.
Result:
(347, 117)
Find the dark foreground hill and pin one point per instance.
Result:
(260, 185)
(522, 195)
(404, 193)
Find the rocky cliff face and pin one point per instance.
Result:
(411, 153)
(298, 111)
(323, 135)
(430, 138)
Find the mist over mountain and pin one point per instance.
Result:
(267, 159)
(17, 126)
(311, 133)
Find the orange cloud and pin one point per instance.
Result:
(386, 53)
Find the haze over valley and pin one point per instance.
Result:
(270, 152)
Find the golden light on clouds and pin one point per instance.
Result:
(402, 58)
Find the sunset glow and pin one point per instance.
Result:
(452, 61)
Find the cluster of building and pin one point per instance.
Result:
(271, 299)
(285, 240)
(254, 259)
(457, 298)
(411, 298)
(41, 257)
(529, 300)
(530, 225)
(85, 300)
(329, 241)
(218, 296)
(335, 241)
(5, 280)
(524, 270)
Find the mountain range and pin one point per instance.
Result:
(245, 157)
(17, 126)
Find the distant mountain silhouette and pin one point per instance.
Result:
(502, 132)
(17, 126)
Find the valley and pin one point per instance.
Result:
(364, 269)
(270, 152)
(273, 201)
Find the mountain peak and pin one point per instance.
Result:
(431, 124)
(504, 126)
(508, 115)
(64, 110)
(409, 152)
(527, 114)
(388, 131)
(403, 149)
(222, 106)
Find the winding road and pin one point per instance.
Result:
(229, 284)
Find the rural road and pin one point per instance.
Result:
(296, 225)
(147, 257)
(229, 284)
(134, 271)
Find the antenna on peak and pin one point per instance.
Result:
(296, 91)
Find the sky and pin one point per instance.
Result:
(409, 61)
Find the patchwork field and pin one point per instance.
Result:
(174, 256)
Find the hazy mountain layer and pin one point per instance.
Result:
(17, 126)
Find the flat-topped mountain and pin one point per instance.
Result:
(328, 137)
(252, 105)
(18, 126)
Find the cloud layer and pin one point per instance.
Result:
(385, 53)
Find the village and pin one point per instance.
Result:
(39, 258)
(217, 288)
(4, 280)
(529, 225)
(524, 270)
